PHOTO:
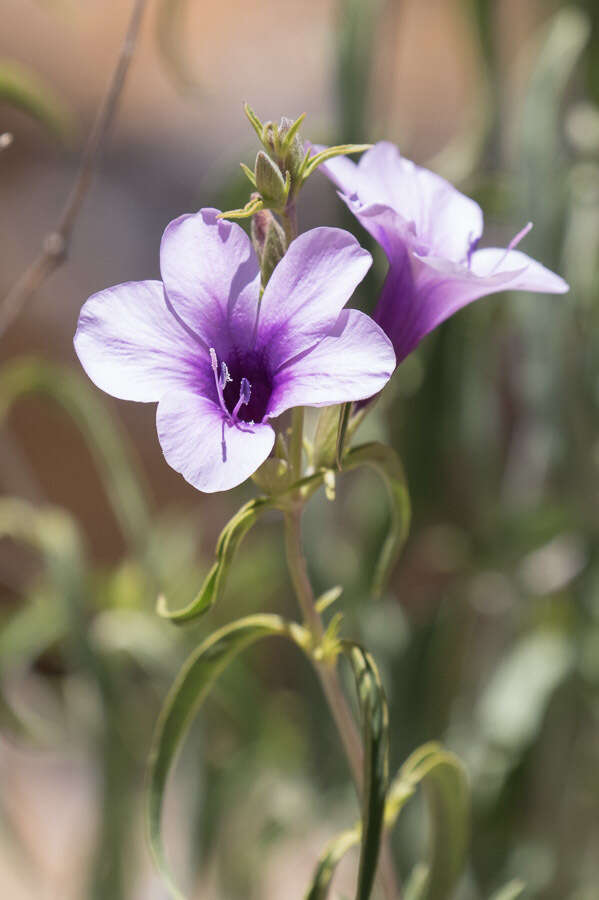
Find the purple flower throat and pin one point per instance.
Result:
(241, 398)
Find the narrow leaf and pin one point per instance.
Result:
(344, 417)
(385, 461)
(375, 723)
(448, 796)
(422, 767)
(183, 703)
(226, 547)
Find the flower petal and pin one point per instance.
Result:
(444, 218)
(529, 275)
(198, 442)
(422, 292)
(307, 291)
(354, 361)
(132, 346)
(211, 277)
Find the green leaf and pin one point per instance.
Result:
(118, 469)
(385, 461)
(510, 891)
(214, 584)
(332, 856)
(183, 703)
(448, 795)
(375, 723)
(342, 432)
(23, 89)
(443, 777)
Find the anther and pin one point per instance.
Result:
(245, 392)
(224, 375)
(221, 380)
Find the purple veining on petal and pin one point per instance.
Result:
(220, 362)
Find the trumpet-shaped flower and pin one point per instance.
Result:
(430, 233)
(219, 360)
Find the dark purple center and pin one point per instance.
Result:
(253, 367)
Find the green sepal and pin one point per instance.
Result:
(254, 121)
(184, 701)
(247, 171)
(253, 205)
(312, 162)
(385, 461)
(214, 583)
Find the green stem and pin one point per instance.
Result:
(331, 684)
(289, 222)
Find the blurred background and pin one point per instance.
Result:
(488, 635)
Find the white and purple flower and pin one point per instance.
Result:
(219, 360)
(430, 233)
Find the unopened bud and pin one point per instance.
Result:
(293, 148)
(268, 239)
(270, 182)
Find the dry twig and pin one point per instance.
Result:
(56, 244)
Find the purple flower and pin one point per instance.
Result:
(219, 360)
(430, 233)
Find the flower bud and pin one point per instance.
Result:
(293, 148)
(269, 182)
(268, 239)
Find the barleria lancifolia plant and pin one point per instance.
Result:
(238, 337)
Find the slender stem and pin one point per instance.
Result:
(56, 244)
(289, 222)
(331, 685)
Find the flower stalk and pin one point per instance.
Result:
(326, 670)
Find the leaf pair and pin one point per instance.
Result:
(446, 787)
(191, 689)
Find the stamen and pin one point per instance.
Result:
(521, 234)
(512, 245)
(219, 381)
(224, 375)
(245, 392)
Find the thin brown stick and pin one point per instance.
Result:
(56, 244)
